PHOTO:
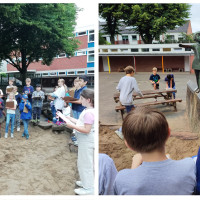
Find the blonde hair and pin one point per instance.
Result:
(28, 79)
(12, 93)
(154, 69)
(63, 81)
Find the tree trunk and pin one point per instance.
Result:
(24, 67)
(112, 39)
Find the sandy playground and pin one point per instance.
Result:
(182, 143)
(42, 165)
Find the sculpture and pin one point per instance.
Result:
(196, 61)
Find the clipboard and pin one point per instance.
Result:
(9, 90)
(10, 104)
(69, 99)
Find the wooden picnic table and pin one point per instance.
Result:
(166, 94)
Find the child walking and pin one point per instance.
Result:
(38, 97)
(10, 116)
(18, 98)
(25, 109)
(84, 127)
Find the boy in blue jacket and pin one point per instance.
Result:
(25, 109)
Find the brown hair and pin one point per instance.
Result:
(129, 69)
(145, 129)
(88, 94)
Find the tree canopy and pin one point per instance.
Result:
(29, 32)
(112, 14)
(148, 20)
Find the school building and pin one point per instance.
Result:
(82, 63)
(129, 49)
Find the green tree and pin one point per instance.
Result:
(29, 32)
(152, 20)
(112, 14)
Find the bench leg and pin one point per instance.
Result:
(174, 104)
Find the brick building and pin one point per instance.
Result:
(130, 50)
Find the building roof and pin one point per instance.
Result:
(76, 62)
(128, 30)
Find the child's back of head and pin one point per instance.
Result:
(145, 130)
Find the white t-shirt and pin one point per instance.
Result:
(9, 111)
(86, 117)
(59, 102)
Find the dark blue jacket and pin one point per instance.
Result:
(23, 114)
(18, 98)
(77, 95)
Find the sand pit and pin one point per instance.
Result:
(179, 145)
(42, 165)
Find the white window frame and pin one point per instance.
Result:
(81, 34)
(90, 34)
(89, 54)
(70, 71)
(81, 53)
(62, 56)
(81, 72)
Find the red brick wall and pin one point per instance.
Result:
(84, 42)
(144, 63)
(100, 64)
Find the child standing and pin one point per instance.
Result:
(59, 94)
(18, 98)
(52, 105)
(10, 115)
(28, 89)
(84, 127)
(155, 79)
(170, 83)
(146, 131)
(2, 117)
(11, 82)
(77, 107)
(25, 109)
(38, 97)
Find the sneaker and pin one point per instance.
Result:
(82, 191)
(27, 137)
(18, 129)
(11, 135)
(6, 135)
(75, 143)
(23, 135)
(79, 184)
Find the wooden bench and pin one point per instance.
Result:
(122, 108)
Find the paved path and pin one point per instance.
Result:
(107, 87)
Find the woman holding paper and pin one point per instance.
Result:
(84, 127)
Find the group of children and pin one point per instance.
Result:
(21, 107)
(30, 104)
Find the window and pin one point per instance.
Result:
(80, 53)
(155, 49)
(134, 50)
(82, 33)
(90, 71)
(52, 73)
(61, 55)
(45, 74)
(71, 72)
(125, 37)
(177, 49)
(104, 50)
(124, 50)
(145, 50)
(166, 49)
(134, 37)
(188, 49)
(80, 72)
(171, 37)
(61, 73)
(114, 50)
(91, 36)
(90, 57)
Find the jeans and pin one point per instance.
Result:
(76, 114)
(129, 108)
(8, 118)
(17, 118)
(174, 94)
(25, 122)
(36, 112)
